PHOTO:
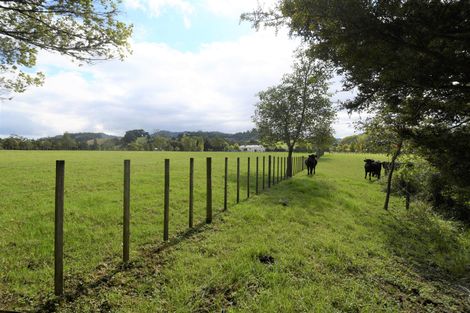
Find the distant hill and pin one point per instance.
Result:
(84, 136)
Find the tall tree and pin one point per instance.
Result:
(86, 31)
(67, 142)
(132, 135)
(297, 109)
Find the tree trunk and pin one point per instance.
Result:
(407, 203)
(390, 173)
(289, 161)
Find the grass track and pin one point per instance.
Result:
(334, 248)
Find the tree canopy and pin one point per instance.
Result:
(84, 30)
(298, 108)
(407, 58)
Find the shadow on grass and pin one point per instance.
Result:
(437, 250)
(79, 288)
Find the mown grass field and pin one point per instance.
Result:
(309, 244)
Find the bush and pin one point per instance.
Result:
(418, 179)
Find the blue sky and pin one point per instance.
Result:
(169, 27)
(193, 67)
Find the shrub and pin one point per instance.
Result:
(418, 179)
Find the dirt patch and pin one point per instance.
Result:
(266, 259)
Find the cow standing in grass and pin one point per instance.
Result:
(373, 168)
(311, 163)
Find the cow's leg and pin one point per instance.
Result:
(365, 176)
(314, 170)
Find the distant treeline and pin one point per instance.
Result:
(362, 143)
(140, 140)
(136, 140)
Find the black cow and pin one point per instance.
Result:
(373, 168)
(311, 163)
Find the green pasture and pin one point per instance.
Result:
(93, 208)
(318, 243)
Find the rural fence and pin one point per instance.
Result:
(275, 172)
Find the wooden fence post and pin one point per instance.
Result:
(127, 211)
(238, 180)
(166, 211)
(209, 191)
(274, 170)
(283, 172)
(248, 180)
(303, 163)
(295, 165)
(285, 167)
(225, 184)
(257, 174)
(277, 179)
(269, 171)
(264, 165)
(282, 169)
(59, 229)
(191, 192)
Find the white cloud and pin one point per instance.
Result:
(156, 7)
(158, 87)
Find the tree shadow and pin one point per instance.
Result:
(78, 288)
(435, 249)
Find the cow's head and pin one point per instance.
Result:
(368, 161)
(314, 156)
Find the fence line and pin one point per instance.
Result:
(277, 171)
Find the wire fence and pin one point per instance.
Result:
(258, 175)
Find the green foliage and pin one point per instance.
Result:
(192, 143)
(132, 135)
(215, 144)
(134, 140)
(407, 60)
(424, 183)
(299, 107)
(86, 31)
(67, 142)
